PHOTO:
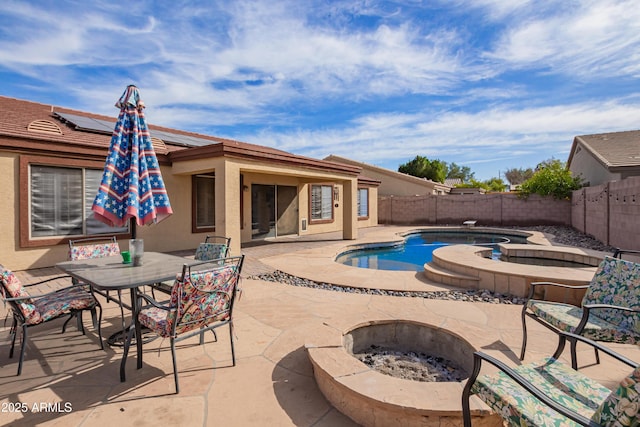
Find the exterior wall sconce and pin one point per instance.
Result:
(336, 193)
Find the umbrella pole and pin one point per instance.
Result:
(133, 226)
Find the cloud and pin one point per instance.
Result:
(585, 38)
(381, 81)
(464, 138)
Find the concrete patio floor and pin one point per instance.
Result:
(272, 383)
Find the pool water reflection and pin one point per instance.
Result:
(418, 248)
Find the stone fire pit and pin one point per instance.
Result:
(371, 398)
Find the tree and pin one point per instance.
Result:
(551, 178)
(518, 176)
(462, 172)
(493, 184)
(422, 167)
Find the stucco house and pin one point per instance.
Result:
(605, 157)
(51, 159)
(394, 183)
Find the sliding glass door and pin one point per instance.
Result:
(274, 210)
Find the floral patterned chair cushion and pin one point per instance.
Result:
(622, 407)
(562, 384)
(12, 286)
(64, 301)
(209, 251)
(616, 282)
(202, 298)
(100, 250)
(40, 309)
(566, 318)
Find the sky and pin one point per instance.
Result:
(488, 84)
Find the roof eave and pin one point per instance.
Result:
(252, 152)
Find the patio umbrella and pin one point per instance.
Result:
(132, 185)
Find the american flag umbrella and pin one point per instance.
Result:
(132, 185)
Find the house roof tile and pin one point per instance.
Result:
(613, 150)
(18, 114)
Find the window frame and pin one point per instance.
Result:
(363, 218)
(24, 208)
(321, 221)
(194, 203)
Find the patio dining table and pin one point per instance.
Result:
(111, 274)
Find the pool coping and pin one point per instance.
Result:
(318, 264)
(474, 265)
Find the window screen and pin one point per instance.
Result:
(61, 200)
(363, 202)
(321, 202)
(205, 201)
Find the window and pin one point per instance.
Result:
(60, 202)
(363, 203)
(321, 203)
(204, 207)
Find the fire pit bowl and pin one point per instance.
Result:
(372, 398)
(412, 347)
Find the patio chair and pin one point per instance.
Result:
(31, 310)
(618, 253)
(96, 247)
(551, 393)
(214, 247)
(609, 311)
(202, 299)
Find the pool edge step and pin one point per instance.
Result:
(448, 277)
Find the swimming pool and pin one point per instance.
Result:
(417, 249)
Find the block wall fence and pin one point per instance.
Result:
(608, 212)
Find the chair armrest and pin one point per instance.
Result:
(601, 348)
(586, 312)
(609, 306)
(534, 285)
(153, 302)
(618, 252)
(478, 357)
(33, 297)
(64, 276)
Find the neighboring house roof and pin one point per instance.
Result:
(397, 175)
(613, 150)
(452, 182)
(31, 126)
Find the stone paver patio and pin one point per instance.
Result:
(272, 383)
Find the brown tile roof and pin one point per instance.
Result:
(16, 115)
(613, 150)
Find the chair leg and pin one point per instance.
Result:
(79, 324)
(93, 316)
(562, 340)
(22, 348)
(524, 333)
(13, 332)
(175, 364)
(466, 392)
(574, 356)
(99, 326)
(78, 316)
(597, 356)
(233, 352)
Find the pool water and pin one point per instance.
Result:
(418, 249)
